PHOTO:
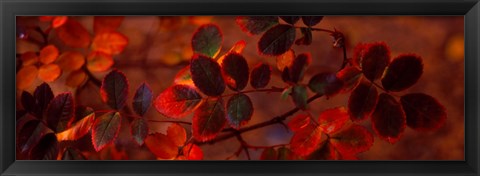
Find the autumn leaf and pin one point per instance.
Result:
(72, 154)
(285, 60)
(114, 89)
(49, 72)
(192, 152)
(139, 130)
(299, 66)
(161, 145)
(103, 24)
(325, 83)
(177, 101)
(48, 54)
(81, 127)
(43, 95)
(362, 101)
(299, 96)
(76, 78)
(177, 134)
(350, 76)
(403, 72)
(29, 104)
(46, 148)
(29, 58)
(105, 129)
(325, 152)
(276, 40)
(99, 61)
(269, 154)
(375, 59)
(286, 154)
(142, 99)
(109, 42)
(207, 75)
(208, 119)
(239, 110)
(311, 20)
(73, 34)
(352, 140)
(30, 134)
(290, 19)
(254, 25)
(184, 77)
(26, 76)
(332, 120)
(71, 60)
(207, 40)
(306, 140)
(299, 122)
(235, 71)
(260, 76)
(306, 38)
(59, 21)
(423, 111)
(388, 119)
(60, 112)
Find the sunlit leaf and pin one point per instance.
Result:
(260, 76)
(375, 59)
(332, 120)
(388, 119)
(76, 78)
(362, 101)
(177, 101)
(207, 75)
(403, 72)
(26, 76)
(142, 99)
(207, 40)
(209, 119)
(59, 21)
(79, 128)
(277, 40)
(110, 42)
(73, 34)
(46, 148)
(350, 76)
(29, 58)
(299, 122)
(306, 38)
(71, 60)
(99, 61)
(239, 110)
(177, 134)
(200, 20)
(269, 154)
(30, 135)
(193, 152)
(49, 72)
(325, 83)
(306, 140)
(43, 95)
(299, 66)
(352, 140)
(103, 24)
(423, 111)
(235, 71)
(60, 112)
(290, 19)
(139, 130)
(161, 145)
(299, 96)
(105, 129)
(184, 77)
(114, 89)
(311, 20)
(72, 154)
(254, 25)
(285, 60)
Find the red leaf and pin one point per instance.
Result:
(43, 95)
(277, 40)
(326, 152)
(375, 59)
(388, 119)
(109, 42)
(290, 19)
(98, 61)
(299, 66)
(60, 112)
(209, 119)
(332, 120)
(239, 110)
(362, 101)
(285, 60)
(177, 101)
(207, 76)
(142, 99)
(177, 134)
(260, 76)
(192, 152)
(299, 96)
(286, 154)
(325, 83)
(139, 130)
(235, 71)
(254, 25)
(105, 129)
(350, 76)
(306, 140)
(299, 122)
(306, 38)
(46, 148)
(403, 72)
(79, 128)
(311, 20)
(184, 77)
(269, 154)
(106, 23)
(29, 104)
(114, 89)
(207, 40)
(161, 145)
(73, 34)
(30, 134)
(355, 139)
(358, 53)
(423, 111)
(72, 154)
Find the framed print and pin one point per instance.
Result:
(227, 88)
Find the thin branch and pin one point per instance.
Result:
(243, 145)
(170, 121)
(273, 89)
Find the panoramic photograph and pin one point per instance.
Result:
(240, 88)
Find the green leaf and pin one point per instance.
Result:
(325, 83)
(139, 130)
(277, 40)
(239, 110)
(254, 25)
(207, 40)
(299, 96)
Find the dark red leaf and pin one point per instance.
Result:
(374, 60)
(207, 40)
(114, 89)
(61, 112)
(209, 119)
(286, 75)
(269, 154)
(254, 25)
(177, 101)
(299, 122)
(362, 101)
(306, 38)
(325, 83)
(235, 71)
(350, 76)
(105, 129)
(192, 152)
(106, 23)
(403, 72)
(72, 154)
(326, 152)
(177, 134)
(142, 99)
(81, 127)
(161, 145)
(286, 154)
(306, 140)
(358, 53)
(30, 134)
(29, 104)
(299, 96)
(277, 40)
(184, 77)
(332, 120)
(139, 130)
(423, 111)
(354, 139)
(260, 76)
(46, 148)
(82, 112)
(73, 34)
(311, 20)
(290, 19)
(388, 119)
(43, 95)
(206, 75)
(299, 66)
(239, 110)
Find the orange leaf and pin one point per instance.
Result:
(73, 34)
(76, 78)
(285, 60)
(306, 140)
(192, 152)
(49, 72)
(71, 60)
(160, 145)
(48, 54)
(298, 122)
(99, 61)
(24, 45)
(26, 76)
(177, 134)
(29, 58)
(59, 21)
(200, 20)
(332, 120)
(77, 130)
(106, 23)
(110, 43)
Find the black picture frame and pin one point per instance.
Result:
(470, 9)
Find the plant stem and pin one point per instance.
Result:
(170, 121)
(273, 89)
